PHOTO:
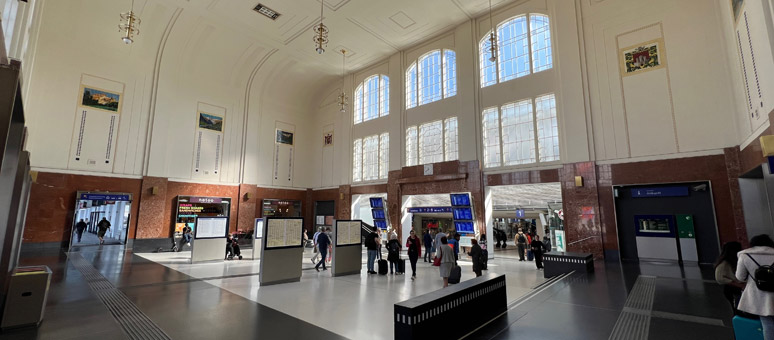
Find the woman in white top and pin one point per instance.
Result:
(754, 300)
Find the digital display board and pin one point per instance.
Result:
(382, 224)
(460, 200)
(462, 214)
(377, 202)
(378, 214)
(190, 208)
(464, 227)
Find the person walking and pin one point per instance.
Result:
(371, 244)
(103, 226)
(428, 240)
(521, 244)
(414, 251)
(316, 249)
(454, 242)
(323, 241)
(393, 253)
(537, 251)
(80, 227)
(476, 253)
(437, 243)
(755, 300)
(725, 274)
(446, 254)
(547, 242)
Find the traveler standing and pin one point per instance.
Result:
(521, 244)
(371, 244)
(454, 242)
(79, 228)
(393, 252)
(414, 250)
(316, 249)
(546, 242)
(428, 239)
(323, 241)
(437, 244)
(537, 251)
(103, 226)
(484, 251)
(476, 254)
(756, 300)
(725, 273)
(446, 254)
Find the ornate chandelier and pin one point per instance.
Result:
(128, 25)
(321, 33)
(343, 96)
(492, 37)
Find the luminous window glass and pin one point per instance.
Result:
(371, 95)
(384, 155)
(449, 73)
(540, 34)
(411, 146)
(547, 128)
(518, 133)
(358, 109)
(514, 49)
(371, 158)
(411, 86)
(357, 161)
(490, 123)
(488, 68)
(384, 101)
(450, 139)
(431, 142)
(430, 77)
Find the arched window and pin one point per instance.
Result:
(432, 142)
(371, 158)
(432, 77)
(523, 47)
(372, 98)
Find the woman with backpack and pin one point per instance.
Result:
(754, 267)
(393, 253)
(414, 250)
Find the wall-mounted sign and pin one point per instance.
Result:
(104, 197)
(429, 210)
(520, 213)
(328, 138)
(284, 137)
(660, 192)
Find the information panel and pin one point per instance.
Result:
(211, 227)
(348, 233)
(282, 232)
(258, 230)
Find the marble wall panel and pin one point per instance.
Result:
(582, 226)
(151, 223)
(246, 206)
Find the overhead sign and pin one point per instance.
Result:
(660, 192)
(430, 210)
(520, 213)
(195, 199)
(104, 197)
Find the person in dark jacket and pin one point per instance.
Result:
(372, 244)
(323, 241)
(414, 247)
(521, 244)
(79, 228)
(393, 253)
(537, 250)
(428, 240)
(476, 254)
(232, 248)
(103, 226)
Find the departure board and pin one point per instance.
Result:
(348, 232)
(283, 232)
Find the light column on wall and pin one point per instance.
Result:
(321, 33)
(343, 96)
(128, 25)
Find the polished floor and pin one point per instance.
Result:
(222, 300)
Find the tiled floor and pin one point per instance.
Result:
(222, 300)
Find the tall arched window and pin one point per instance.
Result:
(372, 98)
(432, 77)
(523, 47)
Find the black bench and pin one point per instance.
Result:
(558, 263)
(452, 312)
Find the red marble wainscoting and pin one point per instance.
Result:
(582, 224)
(151, 220)
(52, 203)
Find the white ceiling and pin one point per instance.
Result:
(529, 196)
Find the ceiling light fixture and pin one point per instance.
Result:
(128, 25)
(343, 96)
(492, 37)
(321, 33)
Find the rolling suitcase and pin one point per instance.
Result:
(530, 256)
(382, 266)
(401, 266)
(456, 274)
(747, 329)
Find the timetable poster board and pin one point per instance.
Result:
(283, 232)
(348, 233)
(211, 227)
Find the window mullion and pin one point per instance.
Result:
(535, 132)
(529, 45)
(500, 135)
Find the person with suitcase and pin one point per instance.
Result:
(447, 263)
(755, 267)
(393, 254)
(372, 244)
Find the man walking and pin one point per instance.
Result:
(79, 228)
(521, 244)
(322, 244)
(316, 249)
(103, 226)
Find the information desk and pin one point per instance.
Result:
(558, 263)
(451, 312)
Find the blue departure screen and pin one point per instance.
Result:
(463, 214)
(460, 200)
(376, 202)
(381, 224)
(378, 214)
(464, 227)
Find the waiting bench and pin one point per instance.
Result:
(452, 312)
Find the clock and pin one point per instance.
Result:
(428, 169)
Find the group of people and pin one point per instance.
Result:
(102, 228)
(530, 243)
(747, 277)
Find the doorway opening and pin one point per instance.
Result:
(100, 219)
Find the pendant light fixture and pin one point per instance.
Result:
(128, 25)
(321, 33)
(343, 96)
(492, 37)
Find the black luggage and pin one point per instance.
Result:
(530, 255)
(484, 259)
(382, 267)
(401, 264)
(456, 274)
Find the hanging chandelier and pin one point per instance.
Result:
(321, 33)
(343, 96)
(128, 25)
(492, 37)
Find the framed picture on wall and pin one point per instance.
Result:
(100, 99)
(210, 121)
(642, 57)
(284, 137)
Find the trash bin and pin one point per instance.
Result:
(27, 294)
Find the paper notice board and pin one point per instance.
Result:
(283, 233)
(211, 227)
(347, 232)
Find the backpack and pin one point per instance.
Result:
(394, 247)
(522, 239)
(764, 276)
